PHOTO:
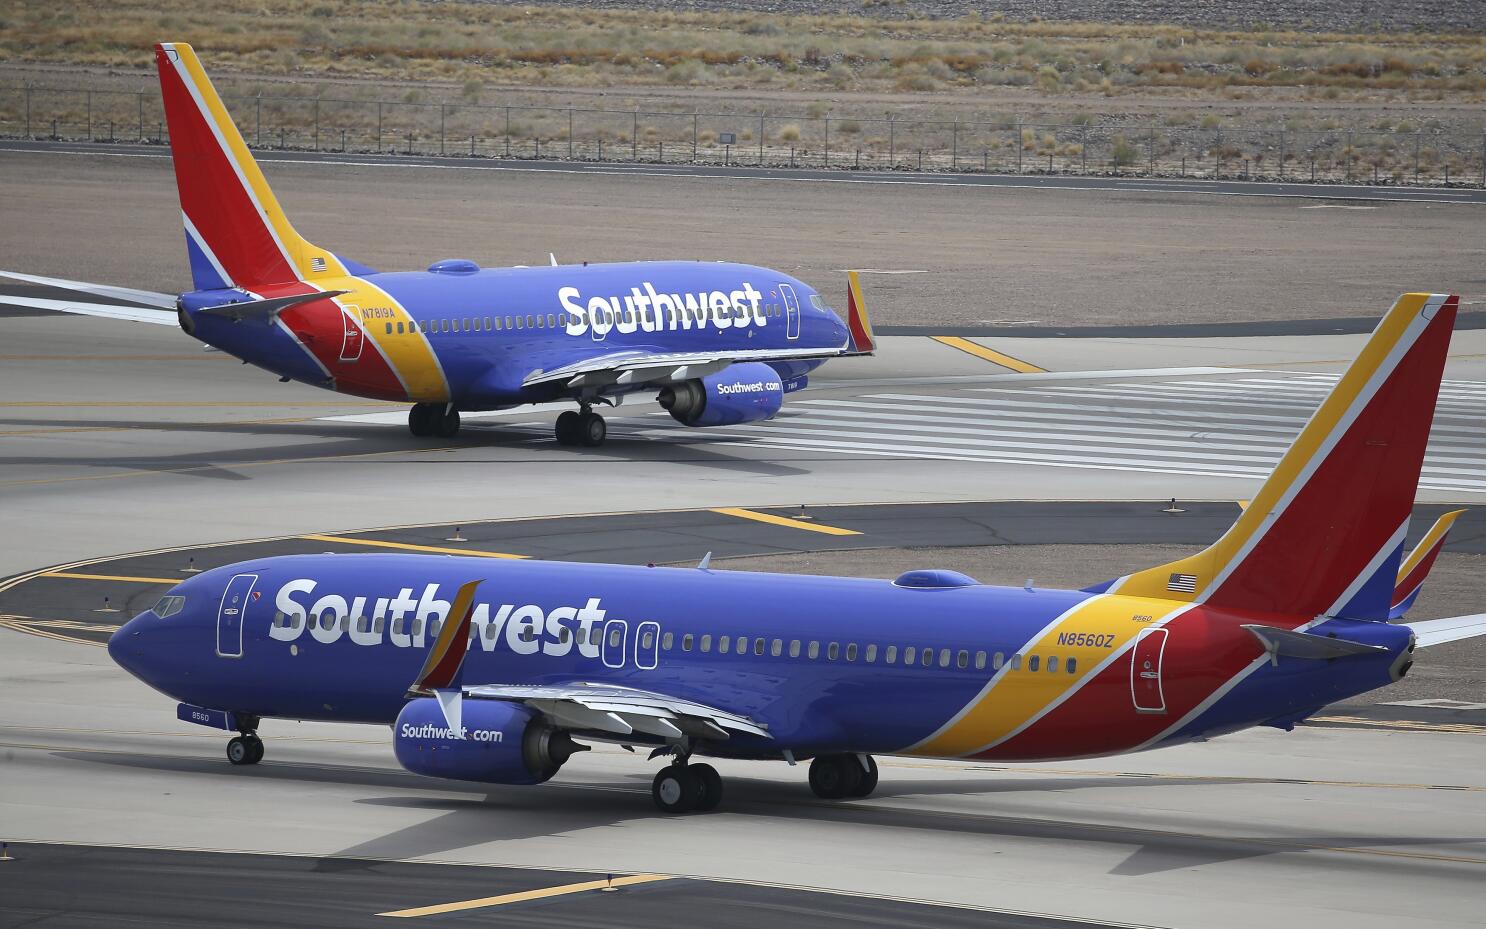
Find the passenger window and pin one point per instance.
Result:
(529, 323)
(776, 647)
(794, 648)
(615, 636)
(399, 329)
(742, 646)
(962, 660)
(1052, 663)
(1071, 666)
(497, 324)
(389, 328)
(1016, 662)
(379, 625)
(929, 658)
(686, 641)
(998, 661)
(433, 628)
(980, 661)
(562, 637)
(706, 643)
(518, 323)
(871, 655)
(466, 324)
(724, 644)
(814, 650)
(890, 656)
(833, 651)
(944, 658)
(418, 628)
(1033, 661)
(909, 654)
(667, 640)
(758, 646)
(551, 321)
(851, 652)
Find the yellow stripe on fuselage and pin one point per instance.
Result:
(408, 352)
(1207, 564)
(1104, 625)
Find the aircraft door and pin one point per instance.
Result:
(647, 645)
(353, 337)
(616, 634)
(230, 615)
(1145, 671)
(791, 311)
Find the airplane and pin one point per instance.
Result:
(719, 343)
(499, 671)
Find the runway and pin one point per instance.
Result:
(119, 439)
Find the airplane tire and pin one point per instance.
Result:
(567, 427)
(711, 784)
(240, 751)
(592, 430)
(257, 745)
(868, 780)
(446, 425)
(418, 420)
(676, 789)
(834, 777)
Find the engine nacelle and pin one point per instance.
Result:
(504, 743)
(741, 393)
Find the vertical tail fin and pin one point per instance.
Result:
(1324, 535)
(236, 233)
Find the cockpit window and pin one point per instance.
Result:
(817, 302)
(169, 606)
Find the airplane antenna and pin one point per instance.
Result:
(705, 562)
(553, 257)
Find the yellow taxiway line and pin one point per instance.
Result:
(408, 546)
(525, 895)
(76, 575)
(770, 518)
(988, 354)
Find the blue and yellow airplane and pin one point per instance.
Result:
(719, 343)
(498, 671)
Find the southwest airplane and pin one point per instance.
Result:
(498, 671)
(720, 343)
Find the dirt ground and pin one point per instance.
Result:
(988, 255)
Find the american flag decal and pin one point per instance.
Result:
(1182, 583)
(317, 264)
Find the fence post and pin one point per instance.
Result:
(317, 124)
(1019, 145)
(828, 141)
(760, 140)
(343, 141)
(1282, 154)
(258, 122)
(90, 119)
(891, 141)
(859, 160)
(1151, 154)
(954, 147)
(1083, 148)
(379, 127)
(472, 145)
(1483, 159)
(140, 97)
(634, 137)
(1418, 133)
(570, 132)
(695, 118)
(508, 132)
(28, 111)
(1351, 153)
(442, 113)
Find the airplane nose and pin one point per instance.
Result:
(126, 645)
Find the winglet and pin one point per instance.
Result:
(859, 328)
(441, 670)
(1417, 565)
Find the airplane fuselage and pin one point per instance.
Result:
(947, 669)
(473, 337)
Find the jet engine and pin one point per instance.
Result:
(741, 393)
(504, 743)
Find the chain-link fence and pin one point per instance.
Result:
(1009, 145)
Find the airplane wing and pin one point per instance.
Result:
(148, 306)
(1451, 629)
(615, 711)
(637, 367)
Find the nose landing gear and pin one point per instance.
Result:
(585, 428)
(245, 749)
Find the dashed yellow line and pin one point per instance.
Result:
(988, 354)
(525, 895)
(1401, 725)
(79, 576)
(408, 546)
(770, 518)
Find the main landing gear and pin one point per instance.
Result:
(245, 749)
(838, 777)
(680, 787)
(427, 420)
(581, 428)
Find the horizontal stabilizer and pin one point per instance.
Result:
(1451, 629)
(1291, 644)
(1416, 567)
(267, 309)
(858, 326)
(441, 669)
(146, 297)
